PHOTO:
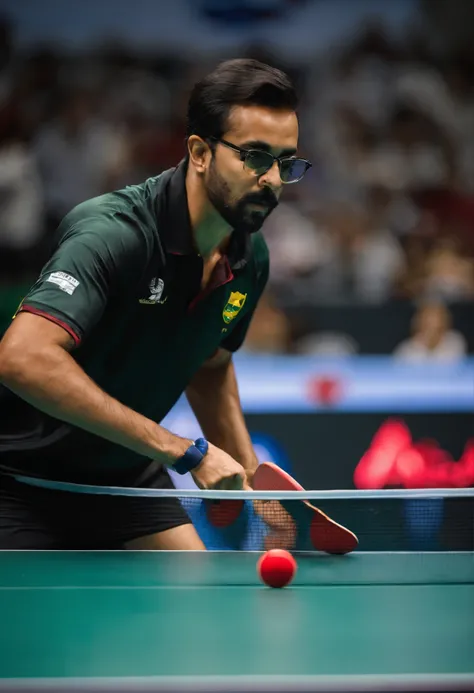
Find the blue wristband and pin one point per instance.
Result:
(192, 457)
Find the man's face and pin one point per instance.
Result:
(242, 198)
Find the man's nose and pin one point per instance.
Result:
(272, 178)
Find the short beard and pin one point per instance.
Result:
(236, 213)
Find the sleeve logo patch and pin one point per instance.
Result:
(65, 282)
(156, 291)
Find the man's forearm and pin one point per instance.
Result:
(54, 383)
(214, 397)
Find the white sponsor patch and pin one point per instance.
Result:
(64, 281)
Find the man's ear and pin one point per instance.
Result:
(199, 153)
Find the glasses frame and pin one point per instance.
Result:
(279, 159)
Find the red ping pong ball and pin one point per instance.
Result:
(276, 568)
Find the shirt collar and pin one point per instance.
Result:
(178, 233)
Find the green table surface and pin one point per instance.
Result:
(163, 616)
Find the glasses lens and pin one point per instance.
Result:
(293, 169)
(258, 162)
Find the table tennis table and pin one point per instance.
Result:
(123, 621)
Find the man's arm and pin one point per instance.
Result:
(35, 363)
(214, 398)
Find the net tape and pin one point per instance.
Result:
(340, 494)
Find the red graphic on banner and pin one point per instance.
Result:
(325, 390)
(395, 460)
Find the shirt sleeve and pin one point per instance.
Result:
(94, 260)
(234, 341)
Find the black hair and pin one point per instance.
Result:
(233, 83)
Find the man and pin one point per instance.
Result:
(148, 293)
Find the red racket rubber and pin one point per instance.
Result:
(223, 513)
(325, 534)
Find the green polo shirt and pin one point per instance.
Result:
(125, 282)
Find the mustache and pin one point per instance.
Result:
(266, 198)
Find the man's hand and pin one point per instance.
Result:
(218, 470)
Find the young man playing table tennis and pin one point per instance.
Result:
(147, 294)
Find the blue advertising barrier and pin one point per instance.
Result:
(339, 405)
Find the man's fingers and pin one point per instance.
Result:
(235, 482)
(238, 481)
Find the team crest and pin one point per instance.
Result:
(233, 306)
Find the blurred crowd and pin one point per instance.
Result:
(389, 210)
(385, 214)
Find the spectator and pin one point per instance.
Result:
(325, 343)
(449, 276)
(78, 155)
(293, 244)
(269, 331)
(414, 156)
(21, 207)
(388, 124)
(432, 339)
(362, 259)
(459, 77)
(447, 97)
(131, 87)
(344, 143)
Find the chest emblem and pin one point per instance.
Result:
(156, 287)
(233, 306)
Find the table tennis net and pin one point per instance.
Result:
(380, 523)
(383, 520)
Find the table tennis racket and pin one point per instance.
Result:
(324, 534)
(223, 513)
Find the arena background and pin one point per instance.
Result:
(368, 315)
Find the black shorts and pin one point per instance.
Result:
(36, 518)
